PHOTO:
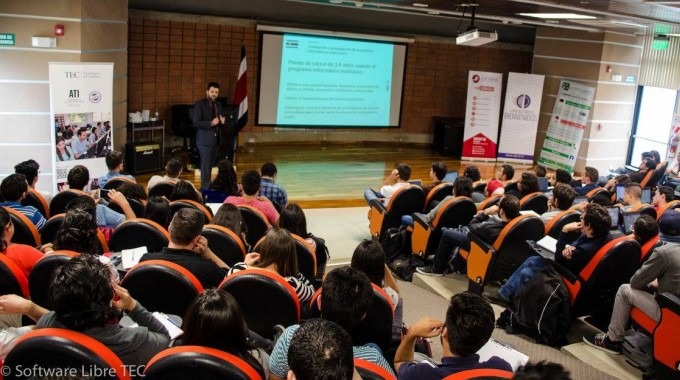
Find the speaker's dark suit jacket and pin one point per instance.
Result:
(203, 114)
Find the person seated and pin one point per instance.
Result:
(542, 370)
(644, 229)
(24, 256)
(483, 225)
(134, 191)
(31, 169)
(115, 164)
(369, 259)
(173, 169)
(475, 176)
(189, 249)
(346, 296)
(673, 172)
(505, 174)
(294, 220)
(185, 190)
(277, 254)
(540, 171)
(157, 209)
(662, 196)
(268, 186)
(321, 349)
(78, 177)
(13, 306)
(645, 166)
(214, 320)
(77, 233)
(494, 187)
(526, 184)
(560, 176)
(632, 197)
(14, 189)
(438, 171)
(397, 179)
(251, 185)
(229, 216)
(594, 227)
(588, 181)
(659, 274)
(462, 187)
(561, 200)
(226, 181)
(468, 326)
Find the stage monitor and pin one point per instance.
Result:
(324, 81)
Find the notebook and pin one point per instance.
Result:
(493, 348)
(545, 247)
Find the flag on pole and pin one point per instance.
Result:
(241, 95)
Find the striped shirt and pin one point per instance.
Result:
(31, 213)
(303, 288)
(278, 360)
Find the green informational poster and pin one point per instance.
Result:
(7, 39)
(567, 123)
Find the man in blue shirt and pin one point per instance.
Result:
(589, 181)
(114, 161)
(14, 189)
(468, 326)
(79, 144)
(269, 188)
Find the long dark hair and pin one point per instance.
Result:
(278, 247)
(369, 258)
(4, 222)
(293, 219)
(226, 178)
(157, 209)
(61, 158)
(214, 320)
(229, 216)
(185, 190)
(78, 232)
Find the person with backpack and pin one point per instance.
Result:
(594, 227)
(659, 274)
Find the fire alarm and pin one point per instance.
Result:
(59, 30)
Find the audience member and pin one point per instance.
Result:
(173, 169)
(644, 229)
(321, 349)
(561, 200)
(673, 171)
(14, 189)
(468, 326)
(505, 173)
(189, 249)
(561, 176)
(662, 196)
(157, 209)
(632, 196)
(594, 227)
(31, 169)
(602, 199)
(486, 227)
(621, 179)
(438, 171)
(134, 191)
(646, 165)
(588, 181)
(114, 162)
(540, 171)
(214, 320)
(659, 274)
(24, 256)
(397, 179)
(78, 233)
(494, 187)
(369, 259)
(251, 185)
(277, 254)
(185, 190)
(225, 181)
(269, 188)
(346, 296)
(542, 370)
(527, 184)
(462, 187)
(229, 216)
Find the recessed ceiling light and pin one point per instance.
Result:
(559, 16)
(629, 23)
(420, 5)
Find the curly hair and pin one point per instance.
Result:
(226, 178)
(78, 232)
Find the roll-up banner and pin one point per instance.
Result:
(567, 123)
(481, 116)
(81, 104)
(520, 118)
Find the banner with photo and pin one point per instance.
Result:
(567, 123)
(81, 104)
(520, 117)
(481, 115)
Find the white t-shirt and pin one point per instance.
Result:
(389, 190)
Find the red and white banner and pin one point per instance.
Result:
(520, 117)
(481, 115)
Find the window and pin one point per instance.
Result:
(652, 124)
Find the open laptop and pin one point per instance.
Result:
(580, 199)
(416, 182)
(545, 247)
(450, 177)
(620, 189)
(543, 184)
(629, 217)
(646, 195)
(614, 214)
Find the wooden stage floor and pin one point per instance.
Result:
(336, 175)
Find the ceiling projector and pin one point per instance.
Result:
(476, 37)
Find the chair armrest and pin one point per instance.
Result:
(478, 260)
(419, 219)
(378, 205)
(668, 301)
(564, 272)
(421, 234)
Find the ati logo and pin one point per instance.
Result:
(523, 101)
(74, 93)
(95, 96)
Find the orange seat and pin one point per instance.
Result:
(40, 278)
(35, 199)
(182, 203)
(139, 232)
(12, 278)
(197, 362)
(256, 222)
(116, 182)
(554, 226)
(54, 348)
(61, 199)
(668, 206)
(454, 212)
(224, 243)
(647, 248)
(162, 189)
(481, 373)
(405, 201)
(536, 202)
(25, 231)
(490, 262)
(596, 191)
(371, 371)
(437, 194)
(488, 202)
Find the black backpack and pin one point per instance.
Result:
(541, 310)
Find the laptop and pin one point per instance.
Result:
(545, 247)
(580, 199)
(646, 195)
(416, 182)
(629, 217)
(543, 184)
(450, 177)
(614, 214)
(620, 189)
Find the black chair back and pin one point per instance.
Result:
(139, 233)
(224, 243)
(256, 221)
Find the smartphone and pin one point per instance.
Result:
(104, 193)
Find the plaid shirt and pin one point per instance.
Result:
(273, 191)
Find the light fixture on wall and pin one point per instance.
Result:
(44, 42)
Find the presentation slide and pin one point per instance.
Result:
(321, 81)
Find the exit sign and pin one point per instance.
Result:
(7, 39)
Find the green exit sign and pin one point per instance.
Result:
(7, 39)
